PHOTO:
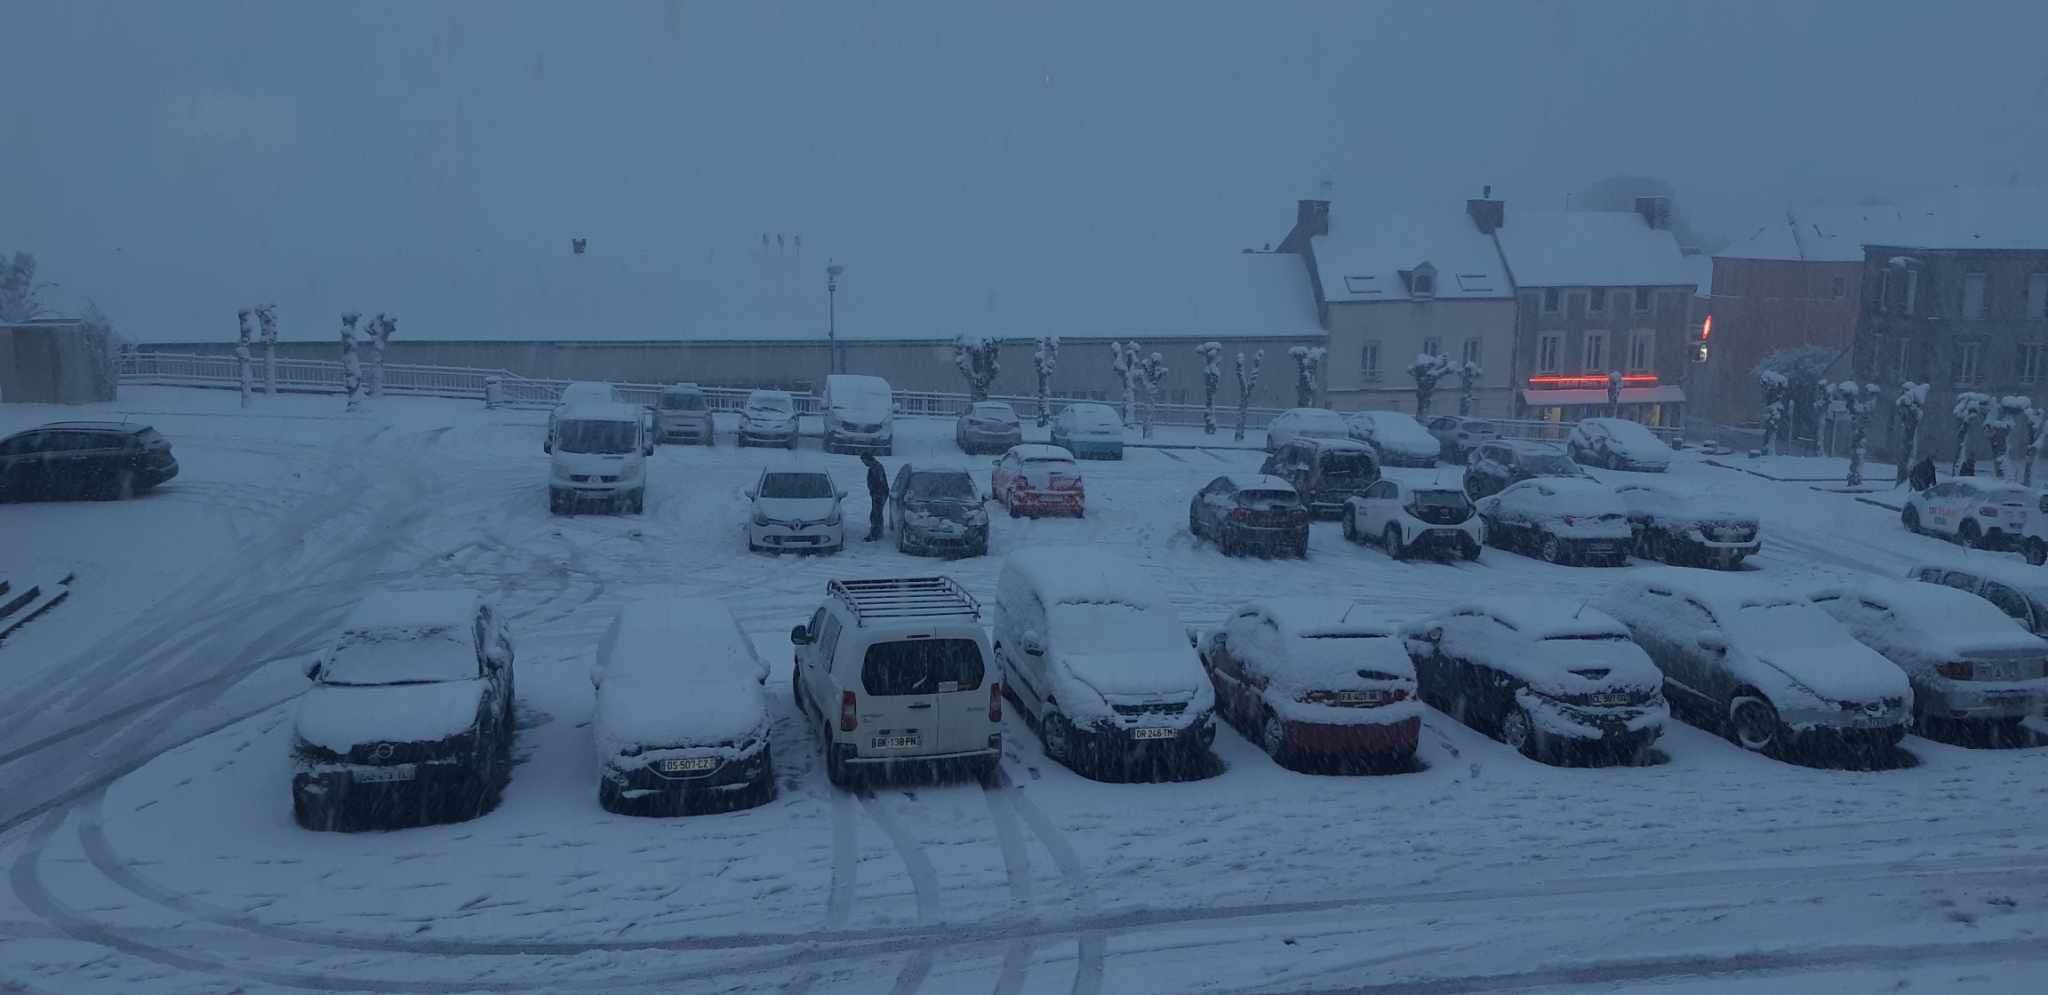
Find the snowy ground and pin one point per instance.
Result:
(145, 825)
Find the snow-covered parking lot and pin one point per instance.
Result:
(146, 826)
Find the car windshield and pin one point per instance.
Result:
(1346, 467)
(682, 402)
(770, 405)
(796, 485)
(939, 487)
(995, 412)
(1478, 428)
(1443, 500)
(1552, 464)
(1267, 500)
(580, 435)
(400, 656)
(1104, 627)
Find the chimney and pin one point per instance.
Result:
(1488, 214)
(1312, 217)
(1656, 211)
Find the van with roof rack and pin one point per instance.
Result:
(896, 672)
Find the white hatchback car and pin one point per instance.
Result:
(796, 510)
(1989, 514)
(1415, 518)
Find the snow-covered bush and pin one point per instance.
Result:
(1212, 377)
(1306, 359)
(1428, 371)
(244, 360)
(266, 319)
(1469, 373)
(2003, 418)
(1970, 411)
(351, 364)
(975, 356)
(1247, 381)
(1044, 359)
(1909, 407)
(1153, 371)
(1774, 389)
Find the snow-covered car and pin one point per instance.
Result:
(1399, 439)
(681, 715)
(1968, 662)
(769, 419)
(1250, 512)
(988, 427)
(1618, 444)
(1321, 678)
(410, 715)
(795, 510)
(1560, 520)
(1325, 472)
(1986, 514)
(1099, 661)
(1457, 435)
(2021, 593)
(576, 395)
(1410, 519)
(1037, 480)
(860, 414)
(1768, 668)
(2033, 540)
(683, 414)
(1299, 423)
(104, 461)
(1688, 530)
(1548, 676)
(600, 457)
(1089, 431)
(938, 511)
(894, 672)
(1494, 465)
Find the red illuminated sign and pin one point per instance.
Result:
(1592, 380)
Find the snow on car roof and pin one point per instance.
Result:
(769, 395)
(1563, 486)
(1723, 593)
(1306, 615)
(667, 637)
(1622, 428)
(1332, 442)
(414, 609)
(1542, 617)
(601, 411)
(1956, 618)
(1993, 488)
(677, 671)
(2030, 579)
(1081, 573)
(1040, 451)
(1258, 482)
(1528, 445)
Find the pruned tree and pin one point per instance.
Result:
(381, 329)
(1212, 378)
(975, 356)
(1909, 408)
(245, 372)
(1153, 370)
(1247, 381)
(1614, 382)
(1469, 373)
(1124, 363)
(1970, 411)
(1774, 388)
(1998, 430)
(266, 321)
(1860, 400)
(351, 363)
(1307, 359)
(1044, 359)
(1428, 371)
(1805, 371)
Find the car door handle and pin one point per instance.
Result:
(921, 704)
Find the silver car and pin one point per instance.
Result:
(1459, 434)
(1971, 667)
(988, 427)
(769, 419)
(683, 415)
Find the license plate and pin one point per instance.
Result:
(1610, 700)
(898, 742)
(1992, 672)
(688, 764)
(1152, 733)
(375, 775)
(1357, 697)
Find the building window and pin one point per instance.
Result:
(2033, 362)
(1549, 353)
(1905, 359)
(2037, 296)
(1432, 346)
(1596, 352)
(1597, 303)
(1369, 362)
(1643, 298)
(1551, 300)
(1422, 284)
(1642, 350)
(1973, 297)
(1912, 291)
(1838, 287)
(1969, 363)
(1472, 352)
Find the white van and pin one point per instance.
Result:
(859, 414)
(1098, 658)
(897, 671)
(600, 457)
(576, 395)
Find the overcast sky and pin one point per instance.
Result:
(969, 163)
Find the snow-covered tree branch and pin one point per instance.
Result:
(1970, 411)
(1247, 381)
(1153, 371)
(1909, 407)
(1307, 359)
(351, 364)
(1468, 376)
(975, 356)
(1212, 377)
(266, 319)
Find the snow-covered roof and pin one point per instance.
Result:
(1957, 620)
(1258, 482)
(1081, 573)
(1591, 249)
(1700, 268)
(414, 610)
(1971, 218)
(1035, 451)
(1362, 258)
(1543, 618)
(1323, 614)
(1819, 234)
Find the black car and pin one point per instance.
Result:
(104, 461)
(937, 511)
(1496, 464)
(1246, 512)
(1325, 472)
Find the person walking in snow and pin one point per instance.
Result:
(1923, 474)
(878, 494)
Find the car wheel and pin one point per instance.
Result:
(1273, 737)
(1194, 525)
(1350, 526)
(1752, 723)
(796, 690)
(1011, 503)
(836, 769)
(122, 487)
(1551, 550)
(1970, 535)
(1471, 550)
(1057, 736)
(2036, 551)
(1518, 731)
(302, 814)
(1392, 540)
(1910, 518)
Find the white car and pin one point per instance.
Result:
(1297, 423)
(1968, 661)
(769, 419)
(600, 457)
(1400, 439)
(795, 510)
(1415, 518)
(860, 414)
(1988, 514)
(1560, 520)
(1089, 431)
(1618, 444)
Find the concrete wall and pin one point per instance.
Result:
(1401, 329)
(55, 363)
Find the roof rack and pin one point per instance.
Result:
(904, 597)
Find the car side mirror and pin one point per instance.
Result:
(1034, 644)
(1194, 637)
(1712, 642)
(547, 446)
(799, 636)
(839, 495)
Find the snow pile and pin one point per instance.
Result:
(856, 396)
(676, 671)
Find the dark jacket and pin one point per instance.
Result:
(1923, 474)
(878, 481)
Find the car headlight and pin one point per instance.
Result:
(762, 520)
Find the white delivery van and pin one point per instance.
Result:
(600, 457)
(860, 414)
(576, 395)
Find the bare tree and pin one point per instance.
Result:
(1428, 370)
(266, 319)
(1247, 381)
(381, 329)
(1614, 382)
(1774, 390)
(1970, 411)
(351, 364)
(1153, 371)
(1307, 358)
(18, 300)
(1124, 363)
(1469, 373)
(1910, 407)
(1212, 377)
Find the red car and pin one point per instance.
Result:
(1038, 480)
(1316, 679)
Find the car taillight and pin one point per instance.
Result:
(995, 701)
(847, 721)
(1959, 670)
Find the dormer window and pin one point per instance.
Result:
(1421, 281)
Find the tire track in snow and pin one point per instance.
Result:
(924, 883)
(1092, 943)
(1017, 872)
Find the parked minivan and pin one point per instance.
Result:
(576, 395)
(1325, 472)
(1098, 659)
(683, 415)
(896, 672)
(859, 414)
(600, 457)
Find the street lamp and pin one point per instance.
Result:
(832, 273)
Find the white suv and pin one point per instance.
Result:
(898, 671)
